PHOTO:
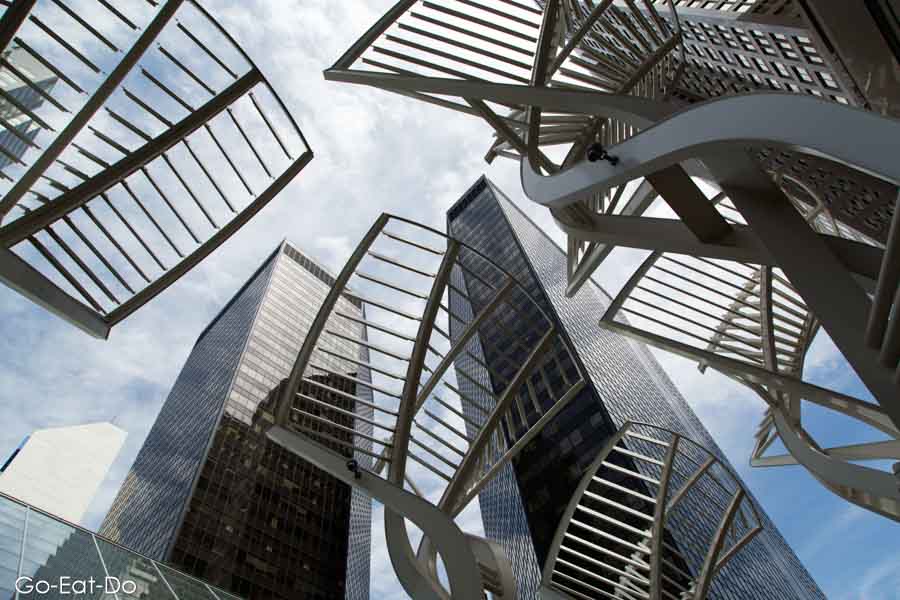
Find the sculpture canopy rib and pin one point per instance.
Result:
(612, 540)
(137, 162)
(638, 103)
(400, 272)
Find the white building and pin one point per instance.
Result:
(60, 470)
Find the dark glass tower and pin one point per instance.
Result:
(211, 495)
(522, 507)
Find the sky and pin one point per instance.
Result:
(376, 152)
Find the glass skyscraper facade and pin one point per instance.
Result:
(23, 82)
(522, 507)
(210, 494)
(38, 550)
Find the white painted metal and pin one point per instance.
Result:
(610, 541)
(138, 162)
(401, 272)
(748, 322)
(742, 288)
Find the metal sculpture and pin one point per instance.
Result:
(611, 541)
(426, 460)
(458, 56)
(748, 322)
(800, 214)
(420, 439)
(132, 162)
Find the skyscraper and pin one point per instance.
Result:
(25, 82)
(522, 507)
(60, 469)
(209, 494)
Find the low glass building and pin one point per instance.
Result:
(42, 556)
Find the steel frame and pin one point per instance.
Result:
(180, 130)
(807, 261)
(605, 548)
(612, 48)
(748, 322)
(399, 260)
(798, 248)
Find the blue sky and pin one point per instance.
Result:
(376, 152)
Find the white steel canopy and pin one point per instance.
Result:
(797, 176)
(612, 540)
(430, 458)
(148, 138)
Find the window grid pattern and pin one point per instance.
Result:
(768, 567)
(259, 520)
(52, 549)
(728, 56)
(502, 510)
(632, 387)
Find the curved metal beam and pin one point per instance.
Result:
(872, 489)
(462, 567)
(667, 137)
(649, 456)
(709, 132)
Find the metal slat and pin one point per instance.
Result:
(500, 13)
(472, 34)
(168, 202)
(269, 125)
(478, 21)
(152, 220)
(447, 425)
(32, 85)
(133, 232)
(54, 262)
(25, 110)
(344, 412)
(188, 189)
(248, 142)
(427, 465)
(367, 344)
(433, 453)
(77, 18)
(118, 14)
(330, 438)
(329, 423)
(115, 243)
(609, 536)
(71, 49)
(361, 364)
(209, 177)
(439, 439)
(84, 239)
(230, 162)
(398, 238)
(186, 71)
(12, 129)
(391, 286)
(205, 49)
(367, 384)
(49, 66)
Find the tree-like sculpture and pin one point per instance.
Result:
(382, 412)
(132, 147)
(792, 196)
(415, 435)
(612, 541)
